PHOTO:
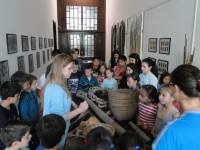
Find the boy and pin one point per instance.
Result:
(120, 69)
(10, 93)
(87, 80)
(16, 135)
(51, 128)
(110, 82)
(74, 79)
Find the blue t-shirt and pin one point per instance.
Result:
(149, 78)
(180, 134)
(110, 84)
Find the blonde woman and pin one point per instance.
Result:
(57, 99)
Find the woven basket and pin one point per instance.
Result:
(123, 103)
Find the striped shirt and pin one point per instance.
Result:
(147, 114)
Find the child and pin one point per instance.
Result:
(102, 73)
(130, 68)
(120, 69)
(10, 93)
(148, 76)
(114, 59)
(95, 64)
(87, 80)
(166, 109)
(15, 135)
(110, 82)
(51, 129)
(133, 80)
(135, 58)
(147, 107)
(165, 79)
(73, 81)
(99, 139)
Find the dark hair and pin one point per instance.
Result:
(110, 69)
(55, 52)
(51, 128)
(122, 57)
(13, 131)
(187, 78)
(32, 78)
(113, 63)
(163, 75)
(100, 65)
(88, 66)
(73, 50)
(75, 62)
(9, 89)
(95, 58)
(134, 76)
(151, 64)
(137, 60)
(133, 67)
(99, 138)
(151, 92)
(129, 140)
(19, 77)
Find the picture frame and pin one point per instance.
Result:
(162, 66)
(40, 43)
(164, 45)
(33, 43)
(38, 59)
(31, 63)
(25, 46)
(49, 42)
(44, 57)
(48, 55)
(21, 64)
(11, 43)
(152, 45)
(153, 59)
(45, 42)
(4, 71)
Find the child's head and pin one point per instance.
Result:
(75, 66)
(51, 128)
(74, 52)
(132, 80)
(55, 52)
(15, 134)
(148, 94)
(135, 58)
(165, 95)
(130, 141)
(109, 73)
(96, 62)
(148, 65)
(33, 81)
(102, 68)
(165, 78)
(122, 60)
(130, 68)
(88, 70)
(99, 138)
(10, 91)
(115, 54)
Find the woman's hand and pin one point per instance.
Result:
(83, 106)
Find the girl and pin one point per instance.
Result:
(183, 133)
(135, 58)
(102, 73)
(149, 73)
(165, 79)
(110, 82)
(95, 66)
(132, 81)
(57, 98)
(147, 107)
(114, 59)
(166, 109)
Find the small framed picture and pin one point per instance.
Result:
(33, 43)
(38, 59)
(4, 71)
(162, 66)
(49, 42)
(44, 57)
(153, 59)
(40, 43)
(48, 55)
(11, 43)
(45, 42)
(152, 45)
(21, 64)
(31, 63)
(164, 45)
(25, 46)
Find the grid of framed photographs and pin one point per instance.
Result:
(162, 66)
(164, 45)
(152, 45)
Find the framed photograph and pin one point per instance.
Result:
(33, 43)
(21, 64)
(45, 42)
(24, 43)
(11, 43)
(48, 55)
(38, 59)
(4, 71)
(44, 57)
(153, 59)
(31, 63)
(51, 53)
(152, 45)
(164, 45)
(51, 42)
(40, 43)
(162, 66)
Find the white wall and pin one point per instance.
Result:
(30, 18)
(162, 19)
